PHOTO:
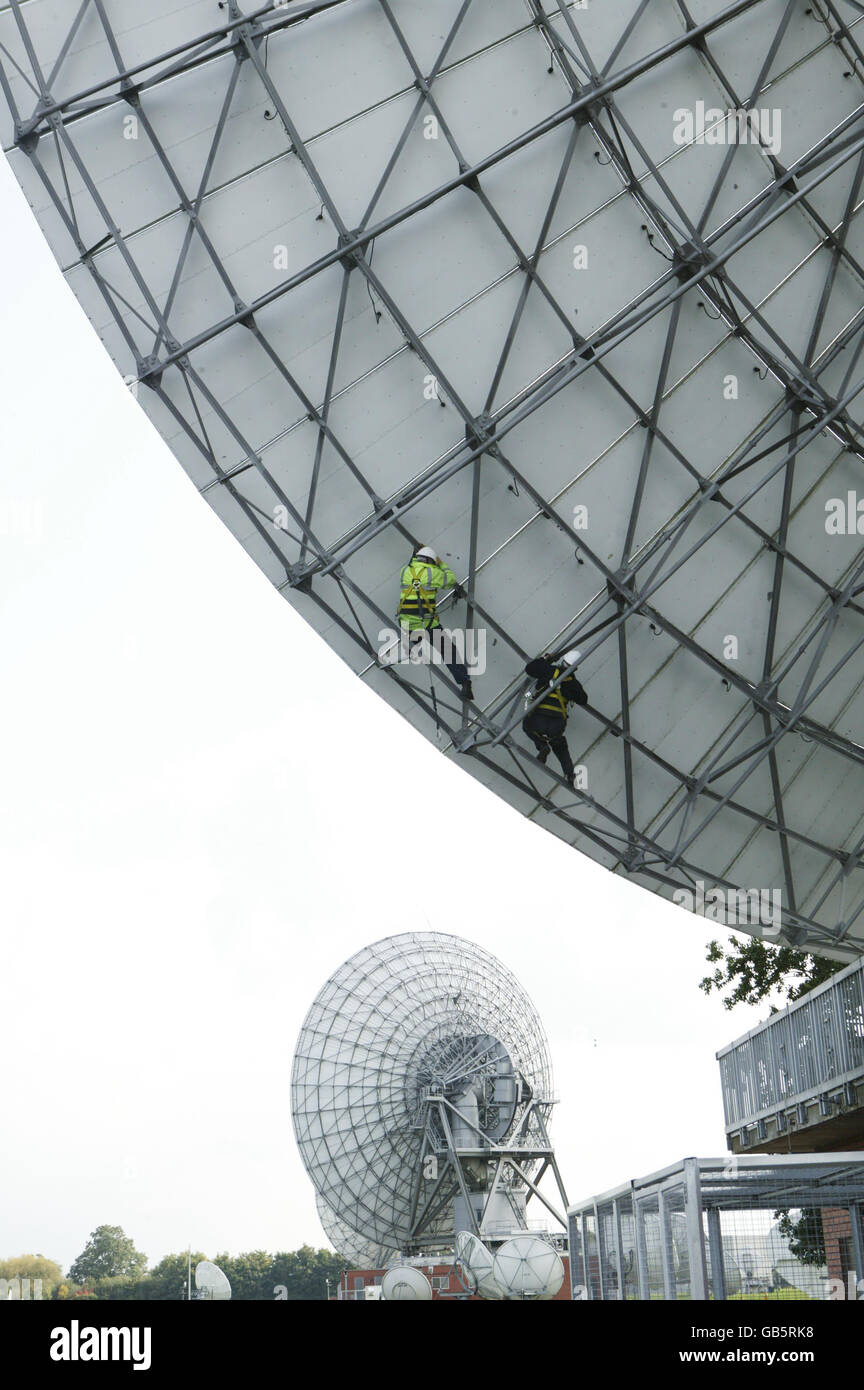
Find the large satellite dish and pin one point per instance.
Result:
(360, 1253)
(621, 244)
(420, 1093)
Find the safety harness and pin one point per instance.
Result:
(415, 601)
(553, 701)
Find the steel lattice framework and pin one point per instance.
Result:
(305, 228)
(348, 1243)
(383, 1058)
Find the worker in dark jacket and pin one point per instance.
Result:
(547, 722)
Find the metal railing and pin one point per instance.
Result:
(708, 1228)
(814, 1045)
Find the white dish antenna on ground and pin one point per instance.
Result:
(301, 232)
(476, 1265)
(527, 1267)
(405, 1284)
(211, 1282)
(421, 1089)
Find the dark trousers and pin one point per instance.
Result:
(457, 669)
(546, 731)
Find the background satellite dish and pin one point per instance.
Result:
(405, 1285)
(475, 1262)
(527, 1267)
(211, 1282)
(647, 332)
(411, 1017)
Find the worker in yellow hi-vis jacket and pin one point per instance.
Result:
(422, 580)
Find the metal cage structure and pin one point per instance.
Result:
(421, 1091)
(571, 291)
(785, 1227)
(796, 1082)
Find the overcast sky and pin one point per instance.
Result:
(200, 814)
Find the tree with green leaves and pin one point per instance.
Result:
(750, 971)
(167, 1280)
(108, 1252)
(254, 1275)
(124, 1288)
(304, 1273)
(33, 1267)
(250, 1274)
(804, 1233)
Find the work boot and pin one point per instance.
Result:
(468, 691)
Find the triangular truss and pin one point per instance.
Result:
(332, 219)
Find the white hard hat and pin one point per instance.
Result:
(570, 658)
(426, 553)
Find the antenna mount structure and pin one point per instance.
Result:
(421, 1095)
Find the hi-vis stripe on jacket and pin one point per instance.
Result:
(544, 672)
(421, 581)
(554, 700)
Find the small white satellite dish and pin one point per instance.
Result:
(405, 1284)
(528, 1267)
(211, 1282)
(477, 1265)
